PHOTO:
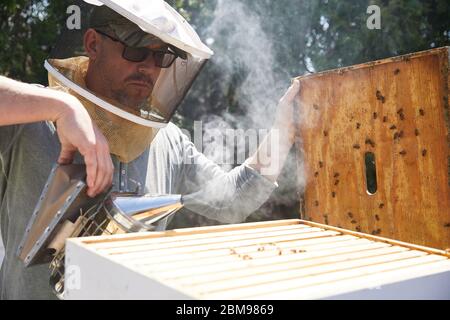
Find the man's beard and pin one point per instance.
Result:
(122, 96)
(124, 99)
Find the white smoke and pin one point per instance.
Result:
(240, 43)
(243, 44)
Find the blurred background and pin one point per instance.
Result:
(260, 45)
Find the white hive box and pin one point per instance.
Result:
(290, 259)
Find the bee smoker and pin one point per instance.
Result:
(65, 211)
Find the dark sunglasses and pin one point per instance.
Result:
(162, 58)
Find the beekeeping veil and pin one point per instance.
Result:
(129, 129)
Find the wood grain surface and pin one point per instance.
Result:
(397, 110)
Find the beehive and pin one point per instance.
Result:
(375, 141)
(290, 259)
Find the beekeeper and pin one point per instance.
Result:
(114, 93)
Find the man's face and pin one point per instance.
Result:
(129, 83)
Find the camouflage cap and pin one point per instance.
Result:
(105, 19)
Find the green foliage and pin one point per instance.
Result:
(197, 12)
(407, 26)
(28, 30)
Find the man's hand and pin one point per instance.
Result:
(273, 151)
(76, 131)
(284, 119)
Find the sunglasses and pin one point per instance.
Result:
(163, 58)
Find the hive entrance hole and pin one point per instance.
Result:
(371, 173)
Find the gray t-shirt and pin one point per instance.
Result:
(172, 165)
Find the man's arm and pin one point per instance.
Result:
(231, 196)
(22, 103)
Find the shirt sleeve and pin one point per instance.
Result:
(227, 197)
(8, 136)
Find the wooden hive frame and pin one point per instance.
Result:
(397, 111)
(290, 259)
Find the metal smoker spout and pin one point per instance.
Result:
(136, 213)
